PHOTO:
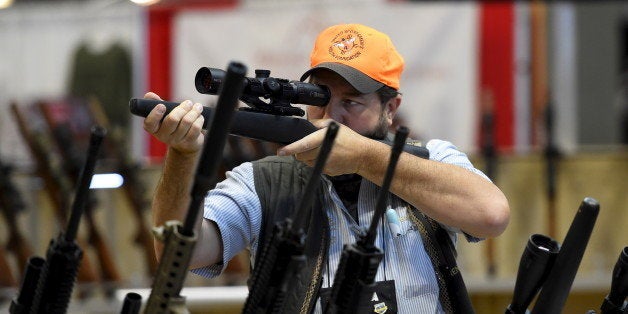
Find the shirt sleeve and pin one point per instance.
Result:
(444, 151)
(235, 208)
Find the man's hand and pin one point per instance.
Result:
(181, 129)
(346, 155)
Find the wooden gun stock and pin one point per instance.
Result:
(72, 160)
(6, 275)
(53, 182)
(133, 187)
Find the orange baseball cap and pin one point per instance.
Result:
(363, 56)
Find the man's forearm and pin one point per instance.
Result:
(447, 193)
(172, 195)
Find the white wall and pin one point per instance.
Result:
(37, 43)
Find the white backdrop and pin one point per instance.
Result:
(37, 45)
(438, 42)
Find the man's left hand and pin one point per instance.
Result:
(346, 155)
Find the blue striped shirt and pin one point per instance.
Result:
(236, 209)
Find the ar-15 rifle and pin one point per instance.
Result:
(359, 261)
(72, 160)
(134, 188)
(179, 240)
(551, 269)
(54, 181)
(615, 301)
(11, 204)
(283, 254)
(53, 278)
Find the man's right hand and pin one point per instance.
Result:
(181, 129)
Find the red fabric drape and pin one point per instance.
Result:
(496, 68)
(159, 43)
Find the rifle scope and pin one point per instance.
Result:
(279, 93)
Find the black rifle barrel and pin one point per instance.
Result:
(614, 301)
(536, 262)
(310, 189)
(219, 129)
(380, 205)
(558, 284)
(34, 268)
(132, 303)
(82, 194)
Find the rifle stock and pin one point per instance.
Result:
(12, 203)
(55, 184)
(72, 159)
(133, 188)
(6, 275)
(54, 279)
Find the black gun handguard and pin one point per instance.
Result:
(266, 127)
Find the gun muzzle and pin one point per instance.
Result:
(536, 262)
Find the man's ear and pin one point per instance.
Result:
(391, 107)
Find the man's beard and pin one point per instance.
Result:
(381, 129)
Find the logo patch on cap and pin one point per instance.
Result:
(346, 45)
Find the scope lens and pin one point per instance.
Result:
(209, 80)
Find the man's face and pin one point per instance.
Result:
(363, 113)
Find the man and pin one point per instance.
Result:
(362, 69)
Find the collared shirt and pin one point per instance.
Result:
(236, 209)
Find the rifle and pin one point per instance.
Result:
(490, 164)
(6, 275)
(283, 255)
(615, 301)
(359, 261)
(552, 156)
(550, 268)
(134, 188)
(72, 160)
(54, 277)
(12, 203)
(180, 239)
(55, 183)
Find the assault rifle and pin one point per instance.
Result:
(134, 188)
(180, 239)
(615, 302)
(11, 204)
(72, 159)
(359, 261)
(547, 266)
(48, 284)
(56, 184)
(283, 254)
